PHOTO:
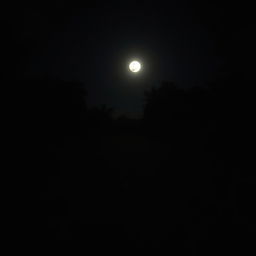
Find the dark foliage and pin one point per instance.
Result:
(176, 180)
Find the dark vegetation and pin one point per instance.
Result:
(177, 179)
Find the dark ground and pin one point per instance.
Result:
(133, 191)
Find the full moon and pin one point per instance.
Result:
(135, 66)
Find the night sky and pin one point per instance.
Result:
(188, 42)
(174, 170)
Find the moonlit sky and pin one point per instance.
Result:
(182, 42)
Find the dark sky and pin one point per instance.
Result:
(188, 42)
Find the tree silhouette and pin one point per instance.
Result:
(100, 119)
(164, 106)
